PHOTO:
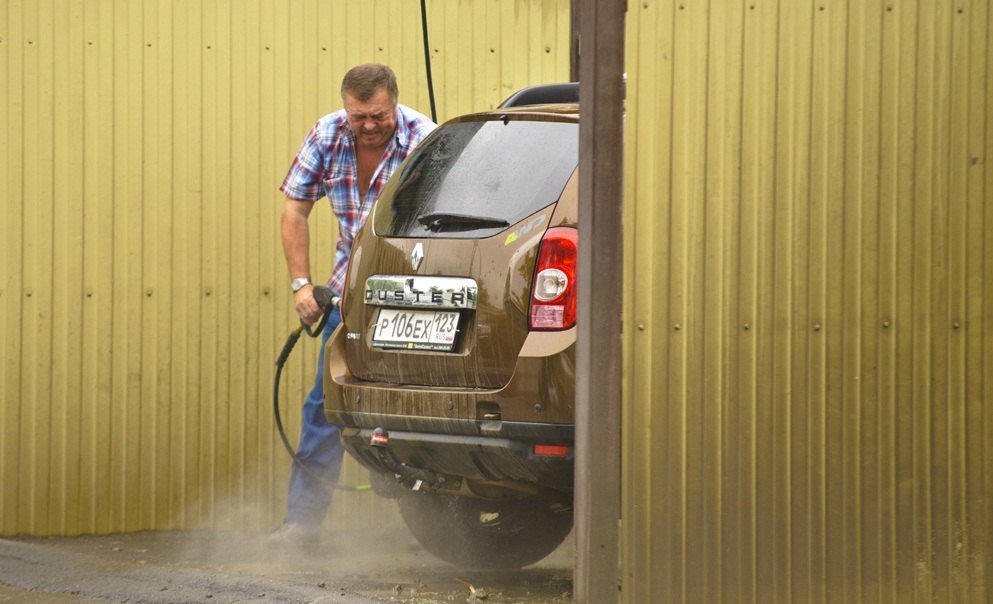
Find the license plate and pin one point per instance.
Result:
(416, 329)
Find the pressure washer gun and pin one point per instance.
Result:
(327, 302)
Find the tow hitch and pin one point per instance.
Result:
(414, 478)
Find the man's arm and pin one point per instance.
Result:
(296, 248)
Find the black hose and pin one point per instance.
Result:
(291, 342)
(280, 361)
(427, 59)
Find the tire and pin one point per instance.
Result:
(484, 533)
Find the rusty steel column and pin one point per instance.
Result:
(600, 283)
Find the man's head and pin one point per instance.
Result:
(369, 93)
(363, 81)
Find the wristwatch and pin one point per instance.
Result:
(298, 283)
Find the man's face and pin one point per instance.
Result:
(373, 121)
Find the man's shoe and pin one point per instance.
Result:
(294, 534)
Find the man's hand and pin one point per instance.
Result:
(306, 305)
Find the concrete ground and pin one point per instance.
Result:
(350, 567)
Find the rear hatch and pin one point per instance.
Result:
(438, 289)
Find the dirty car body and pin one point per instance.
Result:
(452, 372)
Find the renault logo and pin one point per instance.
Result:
(417, 255)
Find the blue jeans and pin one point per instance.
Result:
(319, 450)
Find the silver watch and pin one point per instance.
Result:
(298, 283)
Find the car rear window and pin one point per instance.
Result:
(475, 179)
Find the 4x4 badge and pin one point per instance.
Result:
(417, 255)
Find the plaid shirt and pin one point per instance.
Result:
(326, 166)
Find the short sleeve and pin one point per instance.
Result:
(303, 181)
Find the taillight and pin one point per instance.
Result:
(552, 450)
(553, 293)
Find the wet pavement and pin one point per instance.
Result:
(349, 567)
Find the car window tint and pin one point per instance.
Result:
(475, 174)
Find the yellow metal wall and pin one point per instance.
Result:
(142, 288)
(809, 301)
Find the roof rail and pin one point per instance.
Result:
(567, 92)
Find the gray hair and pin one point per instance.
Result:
(362, 81)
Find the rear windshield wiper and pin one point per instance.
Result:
(447, 221)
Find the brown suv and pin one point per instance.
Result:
(452, 372)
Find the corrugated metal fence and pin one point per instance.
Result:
(143, 292)
(809, 311)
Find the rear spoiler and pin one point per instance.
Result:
(543, 94)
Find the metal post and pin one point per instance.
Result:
(600, 281)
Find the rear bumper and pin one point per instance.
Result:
(482, 451)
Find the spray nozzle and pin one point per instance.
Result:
(324, 297)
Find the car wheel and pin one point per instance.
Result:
(484, 533)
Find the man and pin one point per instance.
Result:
(347, 157)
